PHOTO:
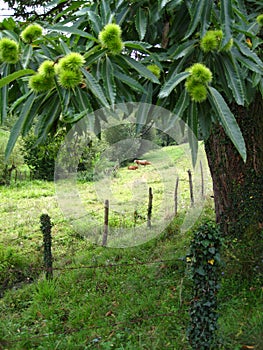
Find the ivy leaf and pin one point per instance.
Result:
(228, 121)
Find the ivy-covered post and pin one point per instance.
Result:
(47, 240)
(204, 260)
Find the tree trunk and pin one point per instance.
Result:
(238, 186)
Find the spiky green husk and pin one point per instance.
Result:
(260, 20)
(197, 91)
(200, 73)
(31, 33)
(47, 69)
(155, 70)
(110, 37)
(38, 83)
(211, 41)
(73, 61)
(9, 51)
(69, 79)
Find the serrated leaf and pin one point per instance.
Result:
(192, 131)
(26, 55)
(83, 100)
(71, 30)
(16, 75)
(247, 62)
(196, 16)
(95, 20)
(226, 15)
(47, 119)
(108, 79)
(137, 45)
(94, 57)
(105, 11)
(184, 49)
(141, 69)
(234, 79)
(129, 81)
(172, 83)
(19, 125)
(206, 19)
(245, 50)
(141, 22)
(95, 88)
(228, 121)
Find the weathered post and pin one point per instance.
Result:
(202, 180)
(191, 187)
(106, 223)
(176, 196)
(46, 230)
(150, 206)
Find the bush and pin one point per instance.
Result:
(41, 158)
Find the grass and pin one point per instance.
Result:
(108, 298)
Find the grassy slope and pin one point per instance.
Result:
(138, 301)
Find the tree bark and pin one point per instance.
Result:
(238, 184)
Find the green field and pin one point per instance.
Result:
(114, 298)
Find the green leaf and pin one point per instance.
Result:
(140, 68)
(26, 55)
(196, 16)
(19, 125)
(172, 83)
(106, 12)
(83, 100)
(181, 104)
(108, 79)
(245, 50)
(15, 75)
(184, 49)
(95, 88)
(192, 131)
(95, 20)
(137, 45)
(226, 14)
(47, 118)
(129, 81)
(228, 121)
(71, 30)
(206, 19)
(247, 62)
(141, 22)
(94, 57)
(234, 79)
(4, 95)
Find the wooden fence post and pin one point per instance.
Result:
(46, 230)
(106, 223)
(191, 187)
(202, 180)
(150, 206)
(176, 196)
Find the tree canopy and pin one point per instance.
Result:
(193, 58)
